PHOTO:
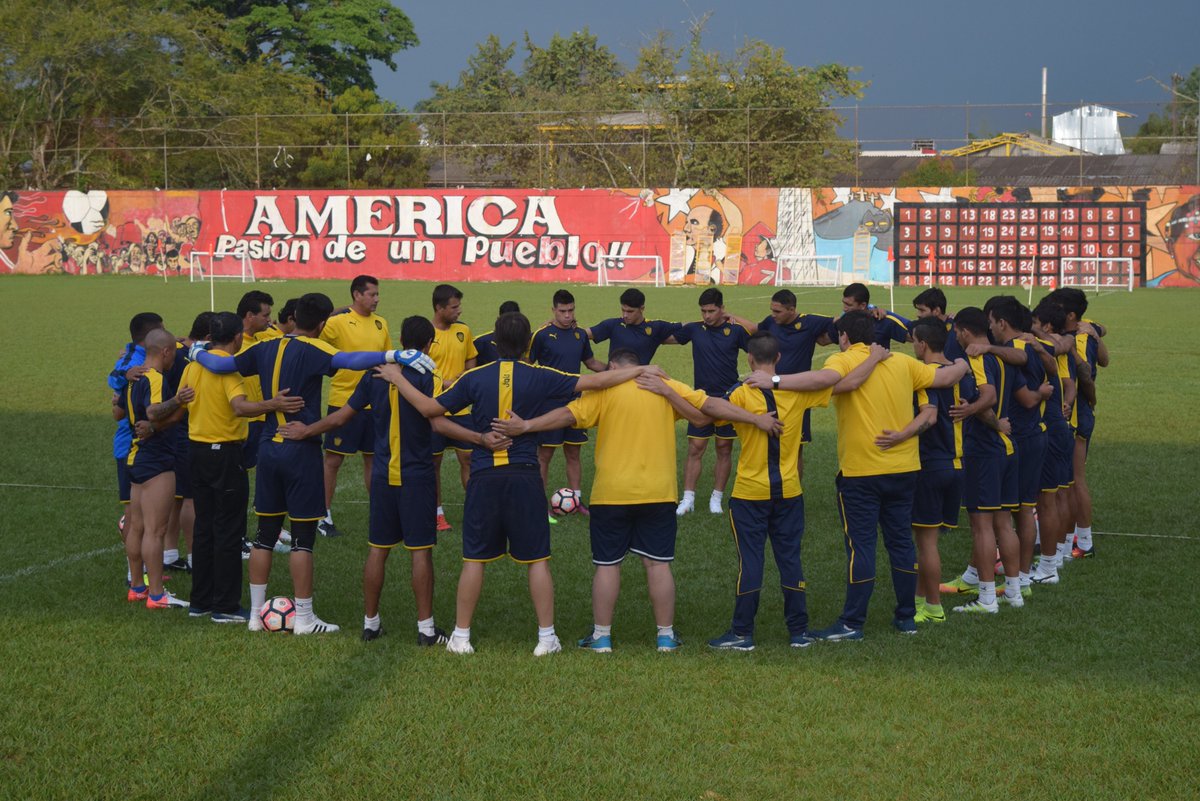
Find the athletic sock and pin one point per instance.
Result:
(1025, 578)
(545, 633)
(1012, 589)
(578, 492)
(371, 623)
(170, 556)
(666, 631)
(689, 495)
(718, 495)
(158, 597)
(987, 592)
(189, 560)
(462, 634)
(258, 596)
(128, 576)
(1084, 535)
(971, 575)
(304, 611)
(426, 627)
(441, 512)
(599, 631)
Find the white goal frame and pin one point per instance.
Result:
(798, 270)
(194, 262)
(1092, 280)
(610, 264)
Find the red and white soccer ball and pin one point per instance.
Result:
(278, 614)
(564, 501)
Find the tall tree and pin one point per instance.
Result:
(1178, 120)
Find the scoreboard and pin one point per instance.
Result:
(1003, 244)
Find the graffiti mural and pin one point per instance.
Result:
(744, 236)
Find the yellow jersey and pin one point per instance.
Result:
(210, 414)
(352, 332)
(252, 385)
(768, 467)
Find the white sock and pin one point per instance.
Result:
(546, 633)
(258, 596)
(987, 592)
(1025, 578)
(666, 631)
(426, 627)
(440, 511)
(304, 610)
(462, 634)
(1012, 589)
(1084, 534)
(371, 623)
(128, 575)
(718, 495)
(328, 517)
(170, 555)
(578, 492)
(689, 495)
(971, 575)
(189, 560)
(1064, 549)
(599, 631)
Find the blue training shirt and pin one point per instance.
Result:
(798, 340)
(564, 349)
(134, 356)
(643, 338)
(714, 354)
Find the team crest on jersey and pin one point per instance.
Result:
(577, 335)
(461, 337)
(796, 325)
(726, 330)
(378, 325)
(337, 440)
(648, 330)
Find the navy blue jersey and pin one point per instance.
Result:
(980, 439)
(1052, 410)
(953, 350)
(798, 340)
(485, 344)
(158, 449)
(403, 449)
(643, 338)
(179, 431)
(1027, 422)
(941, 446)
(502, 386)
(892, 328)
(564, 349)
(295, 363)
(714, 354)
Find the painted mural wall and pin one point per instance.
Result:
(957, 236)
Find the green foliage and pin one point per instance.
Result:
(937, 172)
(1177, 122)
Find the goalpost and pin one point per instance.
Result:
(630, 270)
(1097, 274)
(211, 266)
(797, 270)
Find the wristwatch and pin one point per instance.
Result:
(775, 382)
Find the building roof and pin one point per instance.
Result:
(1082, 170)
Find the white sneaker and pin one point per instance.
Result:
(1044, 578)
(315, 626)
(461, 645)
(978, 607)
(714, 506)
(255, 623)
(684, 507)
(548, 646)
(1015, 603)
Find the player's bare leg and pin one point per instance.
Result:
(157, 496)
(1050, 528)
(1083, 506)
(691, 474)
(545, 456)
(374, 571)
(470, 586)
(132, 535)
(606, 586)
(721, 473)
(171, 538)
(574, 466)
(464, 466)
(929, 565)
(660, 581)
(541, 590)
(333, 463)
(1026, 535)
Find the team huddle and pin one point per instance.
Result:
(993, 413)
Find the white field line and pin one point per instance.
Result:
(54, 563)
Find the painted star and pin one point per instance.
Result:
(841, 194)
(677, 201)
(943, 196)
(888, 202)
(1155, 216)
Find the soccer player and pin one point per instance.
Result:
(403, 495)
(453, 351)
(889, 326)
(254, 309)
(216, 434)
(485, 344)
(505, 505)
(286, 322)
(715, 342)
(632, 330)
(150, 400)
(564, 346)
(361, 329)
(932, 303)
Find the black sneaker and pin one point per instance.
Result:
(246, 549)
(438, 637)
(241, 616)
(372, 634)
(179, 566)
(328, 529)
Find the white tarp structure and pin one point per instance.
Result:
(1092, 129)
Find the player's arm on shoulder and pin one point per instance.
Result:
(856, 377)
(515, 426)
(964, 409)
(297, 430)
(1014, 356)
(595, 365)
(610, 378)
(922, 422)
(417, 399)
(681, 405)
(742, 321)
(721, 409)
(950, 374)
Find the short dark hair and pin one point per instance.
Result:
(1051, 315)
(443, 294)
(141, 324)
(858, 292)
(973, 320)
(858, 326)
(712, 296)
(995, 300)
(626, 356)
(312, 309)
(785, 297)
(562, 298)
(288, 311)
(416, 332)
(931, 332)
(763, 347)
(202, 326)
(1011, 311)
(509, 306)
(11, 195)
(633, 298)
(252, 303)
(224, 327)
(1072, 300)
(512, 335)
(360, 284)
(932, 298)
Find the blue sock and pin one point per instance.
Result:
(142, 588)
(158, 597)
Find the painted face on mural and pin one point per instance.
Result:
(8, 222)
(699, 221)
(1184, 238)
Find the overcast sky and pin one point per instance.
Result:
(933, 52)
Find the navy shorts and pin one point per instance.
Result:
(505, 513)
(356, 436)
(938, 497)
(253, 440)
(647, 529)
(1031, 453)
(123, 478)
(990, 483)
(1058, 466)
(711, 430)
(183, 475)
(806, 435)
(290, 480)
(562, 436)
(1086, 421)
(405, 514)
(147, 465)
(441, 443)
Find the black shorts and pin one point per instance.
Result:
(1058, 465)
(403, 514)
(990, 483)
(254, 435)
(647, 529)
(123, 478)
(938, 498)
(356, 436)
(562, 436)
(1031, 452)
(183, 475)
(505, 513)
(711, 430)
(146, 466)
(290, 480)
(441, 443)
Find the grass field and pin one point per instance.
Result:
(1090, 691)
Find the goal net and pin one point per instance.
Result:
(796, 270)
(212, 266)
(630, 270)
(1097, 274)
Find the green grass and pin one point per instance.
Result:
(1089, 692)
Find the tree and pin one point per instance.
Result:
(1178, 120)
(937, 172)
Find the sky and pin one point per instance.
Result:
(931, 53)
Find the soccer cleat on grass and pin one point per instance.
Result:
(668, 643)
(246, 548)
(958, 587)
(1015, 603)
(801, 640)
(443, 525)
(371, 634)
(838, 632)
(714, 506)
(254, 623)
(684, 507)
(1079, 553)
(315, 626)
(179, 565)
(905, 626)
(599, 645)
(133, 596)
(552, 520)
(327, 529)
(924, 615)
(438, 637)
(166, 601)
(977, 607)
(241, 616)
(729, 641)
(1047, 578)
(459, 645)
(1026, 591)
(550, 645)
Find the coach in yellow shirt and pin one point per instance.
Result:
(358, 328)
(254, 311)
(217, 430)
(453, 351)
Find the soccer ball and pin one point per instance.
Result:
(87, 213)
(278, 614)
(564, 502)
